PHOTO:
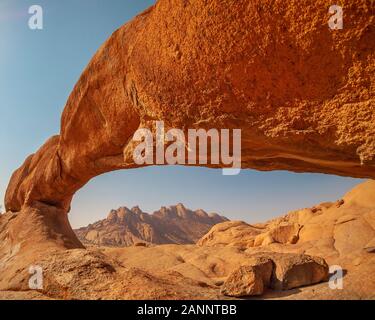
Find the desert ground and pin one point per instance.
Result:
(341, 232)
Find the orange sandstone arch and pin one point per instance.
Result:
(302, 94)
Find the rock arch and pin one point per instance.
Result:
(302, 94)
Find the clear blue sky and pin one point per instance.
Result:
(38, 70)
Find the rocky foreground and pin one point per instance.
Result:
(285, 258)
(169, 225)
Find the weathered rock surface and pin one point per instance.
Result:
(276, 271)
(284, 233)
(243, 282)
(126, 227)
(26, 237)
(241, 234)
(294, 271)
(251, 279)
(90, 274)
(340, 228)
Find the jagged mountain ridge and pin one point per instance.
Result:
(169, 225)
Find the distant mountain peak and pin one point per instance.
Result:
(173, 224)
(137, 210)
